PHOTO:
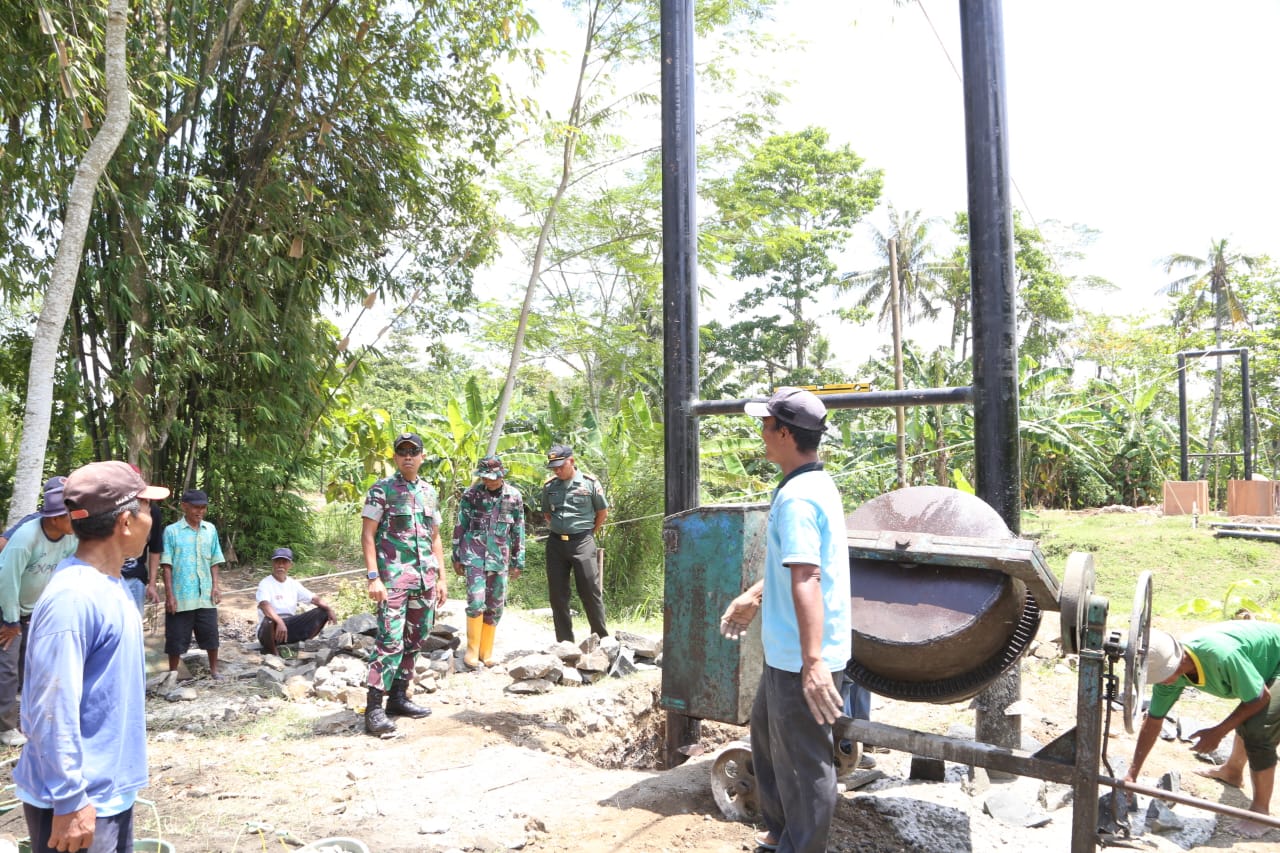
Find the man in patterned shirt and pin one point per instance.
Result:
(402, 557)
(191, 561)
(487, 542)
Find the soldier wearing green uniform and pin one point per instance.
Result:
(402, 556)
(488, 541)
(574, 507)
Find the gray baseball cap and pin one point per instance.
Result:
(793, 406)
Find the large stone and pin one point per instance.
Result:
(323, 655)
(329, 691)
(273, 662)
(594, 662)
(267, 677)
(1015, 805)
(532, 666)
(610, 646)
(645, 648)
(361, 623)
(570, 677)
(1161, 818)
(566, 651)
(529, 686)
(297, 687)
(197, 663)
(623, 663)
(589, 645)
(436, 642)
(182, 694)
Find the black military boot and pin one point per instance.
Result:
(399, 705)
(375, 719)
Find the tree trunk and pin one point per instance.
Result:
(66, 268)
(895, 306)
(544, 233)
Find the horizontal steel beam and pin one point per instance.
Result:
(867, 400)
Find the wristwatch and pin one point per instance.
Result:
(373, 576)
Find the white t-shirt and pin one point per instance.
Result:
(284, 597)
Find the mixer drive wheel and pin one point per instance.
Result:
(733, 783)
(1073, 600)
(1135, 653)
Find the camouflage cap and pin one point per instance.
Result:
(491, 468)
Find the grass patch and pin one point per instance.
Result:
(1185, 562)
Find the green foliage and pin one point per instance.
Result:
(783, 213)
(349, 598)
(1242, 597)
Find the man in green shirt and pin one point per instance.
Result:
(574, 508)
(1234, 660)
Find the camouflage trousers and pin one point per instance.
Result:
(486, 593)
(404, 622)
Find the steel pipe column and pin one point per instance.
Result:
(679, 292)
(998, 471)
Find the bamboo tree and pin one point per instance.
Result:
(66, 265)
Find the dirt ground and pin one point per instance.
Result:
(571, 770)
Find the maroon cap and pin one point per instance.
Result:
(104, 486)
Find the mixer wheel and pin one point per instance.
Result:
(1135, 654)
(733, 784)
(1073, 600)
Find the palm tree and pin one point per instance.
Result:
(920, 277)
(1209, 285)
(906, 284)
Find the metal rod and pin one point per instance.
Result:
(1188, 800)
(961, 751)
(1184, 469)
(997, 467)
(1198, 353)
(867, 400)
(679, 296)
(1246, 422)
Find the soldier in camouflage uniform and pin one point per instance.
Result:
(488, 541)
(574, 507)
(402, 557)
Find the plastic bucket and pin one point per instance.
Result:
(152, 845)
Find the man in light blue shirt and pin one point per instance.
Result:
(26, 564)
(805, 628)
(84, 706)
(191, 562)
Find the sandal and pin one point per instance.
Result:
(765, 841)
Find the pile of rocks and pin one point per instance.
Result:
(586, 663)
(334, 665)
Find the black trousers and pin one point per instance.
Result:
(301, 626)
(576, 556)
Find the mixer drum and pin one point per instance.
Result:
(934, 633)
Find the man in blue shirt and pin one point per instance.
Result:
(26, 564)
(804, 598)
(84, 706)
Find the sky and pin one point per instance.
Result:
(1152, 123)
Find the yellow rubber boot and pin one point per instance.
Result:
(475, 625)
(486, 643)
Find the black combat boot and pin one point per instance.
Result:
(375, 719)
(399, 705)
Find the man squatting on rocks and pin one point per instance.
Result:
(278, 598)
(1232, 660)
(191, 560)
(804, 598)
(402, 557)
(84, 706)
(488, 541)
(574, 508)
(26, 565)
